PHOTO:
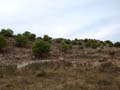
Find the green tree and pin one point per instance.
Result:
(41, 48)
(6, 32)
(2, 42)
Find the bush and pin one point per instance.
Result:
(117, 44)
(2, 42)
(104, 82)
(26, 33)
(109, 67)
(21, 40)
(108, 43)
(41, 73)
(6, 32)
(29, 36)
(75, 42)
(59, 40)
(65, 47)
(32, 37)
(91, 43)
(41, 48)
(47, 38)
(68, 41)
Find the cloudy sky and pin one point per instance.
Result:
(98, 19)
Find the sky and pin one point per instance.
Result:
(99, 19)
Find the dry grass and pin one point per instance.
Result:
(60, 76)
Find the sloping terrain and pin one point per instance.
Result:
(77, 69)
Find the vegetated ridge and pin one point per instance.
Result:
(28, 62)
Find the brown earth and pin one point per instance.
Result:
(78, 69)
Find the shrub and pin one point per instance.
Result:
(65, 47)
(59, 40)
(39, 38)
(6, 32)
(104, 82)
(68, 41)
(75, 42)
(41, 73)
(32, 37)
(117, 44)
(21, 40)
(26, 33)
(108, 43)
(47, 38)
(2, 42)
(91, 43)
(109, 67)
(29, 36)
(81, 47)
(41, 48)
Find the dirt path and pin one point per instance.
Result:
(24, 64)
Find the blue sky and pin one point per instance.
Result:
(98, 19)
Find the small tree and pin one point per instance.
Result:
(41, 48)
(6, 32)
(2, 42)
(21, 41)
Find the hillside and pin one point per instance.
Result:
(80, 64)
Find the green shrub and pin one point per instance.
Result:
(68, 41)
(41, 48)
(26, 33)
(108, 43)
(2, 42)
(91, 43)
(32, 37)
(39, 38)
(81, 47)
(41, 74)
(59, 40)
(117, 44)
(109, 67)
(6, 32)
(21, 41)
(29, 36)
(75, 42)
(47, 38)
(65, 47)
(104, 82)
